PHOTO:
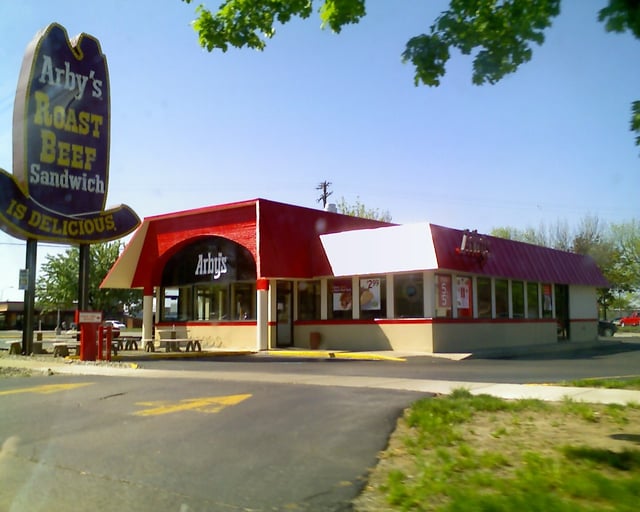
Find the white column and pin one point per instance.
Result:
(324, 299)
(429, 293)
(272, 309)
(262, 319)
(147, 318)
(391, 302)
(355, 297)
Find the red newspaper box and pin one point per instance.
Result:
(88, 323)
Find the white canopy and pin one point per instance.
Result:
(404, 248)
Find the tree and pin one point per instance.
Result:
(57, 283)
(625, 239)
(556, 236)
(498, 33)
(616, 250)
(360, 210)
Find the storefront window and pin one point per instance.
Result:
(211, 302)
(517, 298)
(484, 297)
(176, 304)
(408, 296)
(243, 304)
(464, 297)
(222, 302)
(309, 300)
(533, 298)
(502, 298)
(340, 301)
(444, 295)
(373, 298)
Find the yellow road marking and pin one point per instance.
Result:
(45, 389)
(209, 405)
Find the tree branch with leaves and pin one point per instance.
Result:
(498, 34)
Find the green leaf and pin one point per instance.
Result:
(337, 13)
(621, 15)
(635, 120)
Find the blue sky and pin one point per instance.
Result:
(191, 128)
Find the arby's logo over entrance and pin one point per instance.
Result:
(209, 265)
(61, 135)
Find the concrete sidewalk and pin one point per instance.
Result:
(122, 368)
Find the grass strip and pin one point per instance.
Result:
(466, 453)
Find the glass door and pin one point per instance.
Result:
(562, 311)
(284, 303)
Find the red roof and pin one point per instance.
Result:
(289, 239)
(285, 243)
(516, 260)
(283, 239)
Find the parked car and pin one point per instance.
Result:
(115, 327)
(115, 324)
(632, 320)
(115, 332)
(606, 329)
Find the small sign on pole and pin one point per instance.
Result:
(23, 279)
(89, 317)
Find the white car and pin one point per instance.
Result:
(115, 324)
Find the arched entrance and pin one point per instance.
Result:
(212, 279)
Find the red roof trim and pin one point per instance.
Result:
(433, 321)
(515, 260)
(203, 210)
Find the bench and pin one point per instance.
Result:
(61, 348)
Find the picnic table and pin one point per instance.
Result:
(174, 344)
(126, 342)
(59, 346)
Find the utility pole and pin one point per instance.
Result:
(324, 186)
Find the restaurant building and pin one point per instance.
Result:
(258, 275)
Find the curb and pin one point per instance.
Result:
(552, 348)
(146, 356)
(334, 354)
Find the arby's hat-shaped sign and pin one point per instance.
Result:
(61, 136)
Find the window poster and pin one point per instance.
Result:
(369, 294)
(444, 291)
(463, 291)
(547, 297)
(342, 297)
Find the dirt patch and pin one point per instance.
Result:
(7, 371)
(512, 434)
